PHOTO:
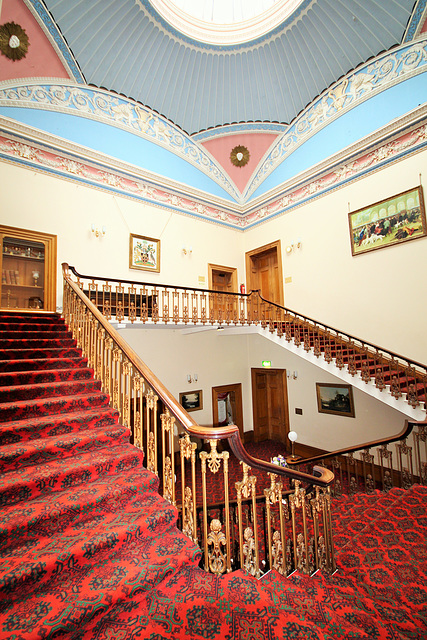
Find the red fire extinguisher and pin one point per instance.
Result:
(242, 288)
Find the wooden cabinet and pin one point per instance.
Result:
(28, 269)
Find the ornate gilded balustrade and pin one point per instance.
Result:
(392, 462)
(288, 526)
(142, 302)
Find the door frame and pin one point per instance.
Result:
(212, 268)
(254, 253)
(237, 388)
(282, 372)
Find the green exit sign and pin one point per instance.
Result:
(266, 363)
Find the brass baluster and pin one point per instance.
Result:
(386, 471)
(420, 435)
(277, 543)
(188, 494)
(248, 538)
(151, 426)
(406, 473)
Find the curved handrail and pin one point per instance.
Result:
(323, 477)
(406, 431)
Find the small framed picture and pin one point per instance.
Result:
(335, 399)
(191, 400)
(144, 253)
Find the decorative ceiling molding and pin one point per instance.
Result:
(380, 74)
(368, 80)
(19, 146)
(419, 16)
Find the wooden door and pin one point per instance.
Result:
(264, 272)
(270, 405)
(222, 279)
(227, 407)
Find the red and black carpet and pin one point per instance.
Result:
(89, 550)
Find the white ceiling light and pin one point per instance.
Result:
(225, 21)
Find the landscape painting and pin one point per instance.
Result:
(388, 222)
(335, 399)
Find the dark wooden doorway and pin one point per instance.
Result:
(264, 271)
(270, 405)
(223, 279)
(227, 406)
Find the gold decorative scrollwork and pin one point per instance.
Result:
(188, 522)
(216, 539)
(151, 453)
(168, 480)
(249, 552)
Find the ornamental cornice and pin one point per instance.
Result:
(19, 146)
(367, 81)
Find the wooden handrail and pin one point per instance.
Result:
(406, 431)
(316, 324)
(323, 477)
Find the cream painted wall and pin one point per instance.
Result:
(378, 296)
(221, 358)
(66, 209)
(372, 418)
(216, 358)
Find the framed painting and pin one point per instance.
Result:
(144, 253)
(392, 221)
(335, 399)
(191, 400)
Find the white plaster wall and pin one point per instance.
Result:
(227, 358)
(43, 203)
(378, 296)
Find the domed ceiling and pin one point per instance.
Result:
(129, 48)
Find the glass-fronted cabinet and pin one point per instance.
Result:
(28, 269)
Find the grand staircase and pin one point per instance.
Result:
(90, 550)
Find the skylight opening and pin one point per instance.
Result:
(225, 21)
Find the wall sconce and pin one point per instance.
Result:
(187, 250)
(98, 232)
(291, 374)
(192, 378)
(294, 245)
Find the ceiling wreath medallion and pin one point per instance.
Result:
(13, 41)
(239, 156)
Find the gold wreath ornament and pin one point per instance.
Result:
(239, 156)
(13, 41)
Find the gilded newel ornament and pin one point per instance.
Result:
(13, 41)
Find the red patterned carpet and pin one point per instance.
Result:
(89, 550)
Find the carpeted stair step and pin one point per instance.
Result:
(46, 334)
(146, 516)
(41, 517)
(37, 452)
(13, 344)
(32, 327)
(43, 363)
(52, 477)
(30, 318)
(80, 592)
(57, 424)
(48, 390)
(47, 406)
(25, 354)
(12, 378)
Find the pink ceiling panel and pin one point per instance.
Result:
(257, 144)
(41, 60)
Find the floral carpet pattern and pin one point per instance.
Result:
(89, 550)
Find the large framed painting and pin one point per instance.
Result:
(335, 399)
(398, 219)
(144, 253)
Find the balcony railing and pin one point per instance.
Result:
(142, 302)
(295, 528)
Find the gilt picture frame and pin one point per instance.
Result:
(388, 222)
(144, 253)
(335, 399)
(191, 400)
